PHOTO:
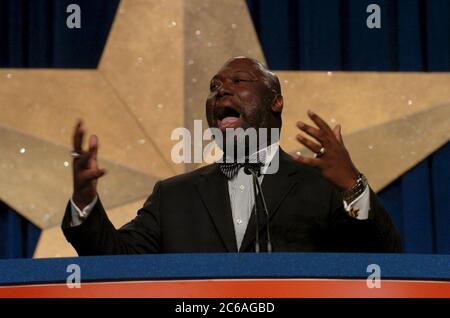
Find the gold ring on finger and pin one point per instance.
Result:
(320, 153)
(75, 154)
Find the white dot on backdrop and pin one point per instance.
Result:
(66, 164)
(23, 150)
(198, 32)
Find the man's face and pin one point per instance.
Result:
(239, 97)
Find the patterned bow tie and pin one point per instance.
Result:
(230, 169)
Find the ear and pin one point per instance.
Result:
(277, 104)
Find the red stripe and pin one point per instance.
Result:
(239, 288)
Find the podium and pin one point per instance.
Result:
(240, 275)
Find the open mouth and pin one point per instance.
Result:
(228, 112)
(228, 117)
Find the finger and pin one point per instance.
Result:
(93, 145)
(312, 162)
(311, 145)
(78, 137)
(91, 174)
(86, 160)
(319, 121)
(81, 161)
(312, 131)
(93, 149)
(338, 134)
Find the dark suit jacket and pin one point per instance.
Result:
(192, 213)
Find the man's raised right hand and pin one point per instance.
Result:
(85, 168)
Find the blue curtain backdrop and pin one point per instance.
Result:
(33, 33)
(18, 236)
(296, 35)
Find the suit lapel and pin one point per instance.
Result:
(275, 188)
(213, 190)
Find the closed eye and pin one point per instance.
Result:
(240, 80)
(214, 85)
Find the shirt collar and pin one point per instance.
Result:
(269, 154)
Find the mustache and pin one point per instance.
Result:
(229, 107)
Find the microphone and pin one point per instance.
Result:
(255, 171)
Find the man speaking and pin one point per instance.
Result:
(315, 204)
